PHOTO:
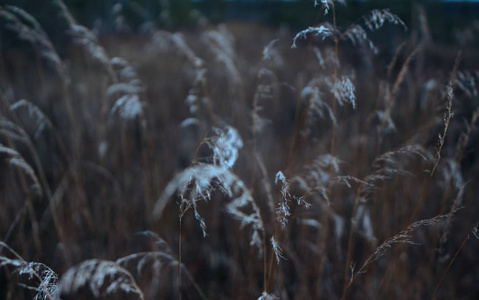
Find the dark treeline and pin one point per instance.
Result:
(136, 16)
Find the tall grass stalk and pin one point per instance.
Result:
(436, 290)
(402, 237)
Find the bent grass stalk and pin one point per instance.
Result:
(402, 237)
(47, 288)
(447, 118)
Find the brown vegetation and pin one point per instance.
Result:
(236, 162)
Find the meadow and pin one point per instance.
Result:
(238, 160)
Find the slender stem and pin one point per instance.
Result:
(253, 180)
(179, 259)
(390, 97)
(332, 151)
(271, 275)
(265, 263)
(352, 229)
(434, 296)
(335, 78)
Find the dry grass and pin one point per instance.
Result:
(237, 161)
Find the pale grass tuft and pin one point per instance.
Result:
(8, 151)
(161, 41)
(34, 111)
(319, 174)
(283, 212)
(266, 296)
(102, 278)
(447, 119)
(221, 43)
(126, 94)
(319, 57)
(467, 82)
(326, 3)
(225, 145)
(198, 182)
(356, 34)
(15, 159)
(386, 122)
(195, 183)
(180, 43)
(272, 55)
(451, 172)
(320, 170)
(278, 252)
(47, 288)
(344, 91)
(322, 31)
(475, 231)
(195, 100)
(29, 30)
(378, 17)
(388, 165)
(86, 39)
(339, 224)
(189, 122)
(122, 88)
(363, 218)
(128, 107)
(265, 90)
(221, 40)
(83, 40)
(156, 261)
(317, 108)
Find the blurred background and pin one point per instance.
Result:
(136, 16)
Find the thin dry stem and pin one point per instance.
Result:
(402, 237)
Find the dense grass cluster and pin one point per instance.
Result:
(236, 161)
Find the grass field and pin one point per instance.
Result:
(238, 160)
